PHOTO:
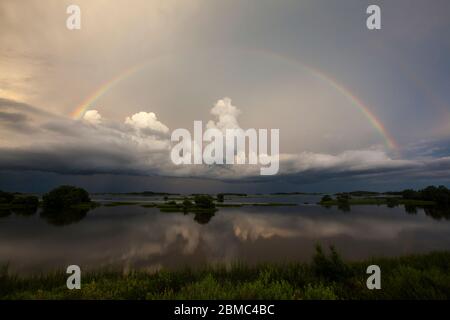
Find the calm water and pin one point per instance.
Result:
(136, 237)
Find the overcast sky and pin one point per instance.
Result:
(356, 109)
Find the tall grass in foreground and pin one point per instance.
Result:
(326, 277)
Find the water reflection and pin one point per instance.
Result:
(63, 217)
(66, 216)
(25, 211)
(203, 217)
(137, 237)
(4, 213)
(435, 212)
(438, 213)
(345, 207)
(20, 211)
(411, 209)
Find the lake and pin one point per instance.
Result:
(132, 236)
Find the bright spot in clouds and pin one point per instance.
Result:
(146, 121)
(93, 117)
(226, 114)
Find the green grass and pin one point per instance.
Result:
(326, 277)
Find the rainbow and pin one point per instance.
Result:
(358, 103)
(89, 102)
(374, 121)
(390, 142)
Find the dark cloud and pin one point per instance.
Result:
(68, 160)
(17, 122)
(8, 104)
(23, 118)
(12, 117)
(64, 146)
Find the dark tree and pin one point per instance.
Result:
(28, 201)
(440, 195)
(187, 203)
(6, 197)
(220, 197)
(204, 201)
(410, 194)
(343, 197)
(65, 197)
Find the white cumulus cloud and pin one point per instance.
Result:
(92, 117)
(146, 121)
(227, 115)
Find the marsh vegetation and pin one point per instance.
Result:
(326, 277)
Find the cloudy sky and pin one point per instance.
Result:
(95, 107)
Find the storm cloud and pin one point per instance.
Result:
(82, 147)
